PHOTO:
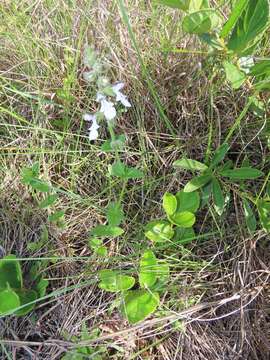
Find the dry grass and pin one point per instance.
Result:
(217, 304)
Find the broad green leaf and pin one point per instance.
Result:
(244, 173)
(159, 231)
(189, 164)
(107, 231)
(41, 286)
(261, 68)
(148, 268)
(249, 216)
(197, 182)
(117, 144)
(234, 75)
(187, 201)
(39, 185)
(10, 273)
(252, 23)
(95, 242)
(263, 207)
(48, 201)
(219, 201)
(119, 169)
(169, 203)
(9, 301)
(237, 10)
(26, 296)
(183, 219)
(138, 304)
(202, 21)
(29, 173)
(114, 213)
(133, 173)
(101, 251)
(114, 282)
(184, 236)
(57, 215)
(219, 154)
(185, 5)
(206, 193)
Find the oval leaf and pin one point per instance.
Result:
(148, 268)
(189, 164)
(183, 219)
(10, 273)
(138, 304)
(188, 201)
(249, 216)
(169, 203)
(114, 282)
(264, 214)
(159, 231)
(200, 22)
(197, 182)
(26, 296)
(107, 231)
(244, 173)
(219, 154)
(219, 200)
(253, 21)
(9, 301)
(234, 75)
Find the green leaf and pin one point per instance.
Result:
(189, 164)
(219, 154)
(206, 193)
(184, 5)
(114, 213)
(244, 173)
(107, 231)
(263, 207)
(249, 216)
(119, 169)
(252, 23)
(39, 185)
(101, 251)
(188, 201)
(114, 282)
(169, 203)
(237, 10)
(148, 268)
(118, 143)
(138, 304)
(9, 301)
(10, 273)
(48, 201)
(200, 22)
(26, 296)
(261, 69)
(41, 286)
(184, 236)
(159, 231)
(95, 243)
(219, 201)
(29, 173)
(57, 215)
(234, 75)
(197, 182)
(183, 219)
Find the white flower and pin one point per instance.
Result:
(119, 96)
(93, 130)
(107, 107)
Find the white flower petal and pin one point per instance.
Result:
(89, 117)
(93, 134)
(123, 99)
(117, 87)
(100, 97)
(108, 109)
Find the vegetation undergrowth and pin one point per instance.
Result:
(134, 164)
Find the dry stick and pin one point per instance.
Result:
(149, 323)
